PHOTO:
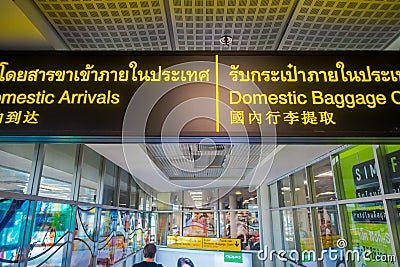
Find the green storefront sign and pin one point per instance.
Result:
(233, 257)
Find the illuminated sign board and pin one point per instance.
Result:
(223, 244)
(321, 96)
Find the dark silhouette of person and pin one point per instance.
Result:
(184, 262)
(149, 253)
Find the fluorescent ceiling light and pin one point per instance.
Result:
(326, 193)
(325, 174)
(238, 192)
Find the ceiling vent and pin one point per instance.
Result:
(204, 148)
(208, 161)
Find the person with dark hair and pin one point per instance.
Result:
(184, 262)
(149, 253)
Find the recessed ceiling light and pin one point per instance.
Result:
(324, 174)
(238, 193)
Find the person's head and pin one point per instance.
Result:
(185, 262)
(149, 251)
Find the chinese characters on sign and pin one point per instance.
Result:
(290, 117)
(19, 117)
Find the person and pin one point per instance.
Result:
(149, 253)
(184, 262)
(255, 241)
(243, 238)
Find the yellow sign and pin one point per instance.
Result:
(227, 244)
(185, 242)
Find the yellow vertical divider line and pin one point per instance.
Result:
(216, 96)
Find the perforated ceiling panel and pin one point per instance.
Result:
(342, 25)
(253, 24)
(109, 25)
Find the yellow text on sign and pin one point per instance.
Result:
(185, 242)
(227, 244)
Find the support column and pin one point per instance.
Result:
(233, 221)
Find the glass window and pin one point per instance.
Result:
(15, 167)
(90, 176)
(243, 224)
(204, 199)
(168, 224)
(131, 234)
(238, 198)
(83, 244)
(199, 224)
(329, 230)
(123, 188)
(168, 201)
(358, 172)
(13, 214)
(369, 231)
(107, 238)
(49, 236)
(147, 220)
(58, 171)
(139, 230)
(142, 199)
(305, 234)
(392, 162)
(109, 184)
(122, 235)
(276, 229)
(285, 199)
(149, 203)
(323, 181)
(274, 196)
(300, 188)
(176, 200)
(397, 222)
(224, 224)
(175, 220)
(134, 194)
(288, 229)
(152, 227)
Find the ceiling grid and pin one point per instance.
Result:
(342, 25)
(261, 25)
(106, 25)
(253, 24)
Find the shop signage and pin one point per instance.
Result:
(289, 97)
(222, 244)
(393, 160)
(236, 257)
(228, 244)
(366, 179)
(185, 242)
